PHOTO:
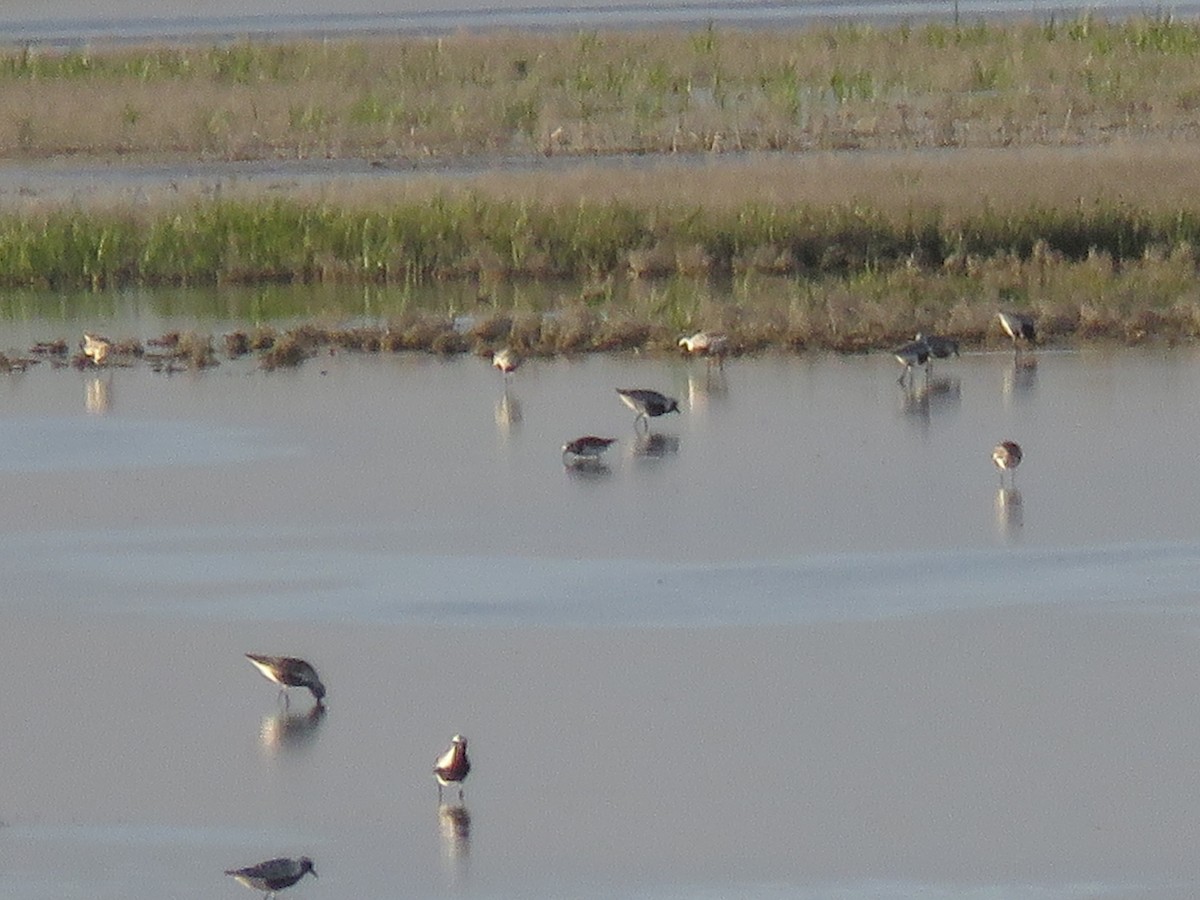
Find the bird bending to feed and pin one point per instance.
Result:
(287, 671)
(1018, 326)
(452, 767)
(915, 353)
(96, 348)
(707, 344)
(588, 448)
(939, 347)
(647, 403)
(506, 360)
(1007, 456)
(274, 874)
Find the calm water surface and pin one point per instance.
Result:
(796, 643)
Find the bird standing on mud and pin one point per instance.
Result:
(96, 348)
(273, 875)
(452, 767)
(288, 671)
(1007, 456)
(647, 404)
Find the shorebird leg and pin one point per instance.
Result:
(643, 420)
(439, 792)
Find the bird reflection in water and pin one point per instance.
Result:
(707, 389)
(655, 446)
(97, 398)
(454, 829)
(508, 413)
(1010, 513)
(287, 731)
(931, 396)
(1021, 378)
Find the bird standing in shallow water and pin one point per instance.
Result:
(96, 348)
(1007, 456)
(707, 344)
(288, 671)
(1018, 326)
(452, 767)
(585, 449)
(274, 874)
(647, 403)
(915, 353)
(506, 360)
(939, 347)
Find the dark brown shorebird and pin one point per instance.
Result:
(587, 449)
(1007, 456)
(647, 404)
(914, 353)
(96, 348)
(506, 360)
(711, 345)
(288, 671)
(273, 875)
(452, 767)
(1018, 326)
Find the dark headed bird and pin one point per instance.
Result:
(1007, 456)
(939, 347)
(647, 404)
(585, 449)
(1018, 326)
(287, 671)
(452, 767)
(915, 353)
(274, 874)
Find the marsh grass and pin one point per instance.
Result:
(831, 87)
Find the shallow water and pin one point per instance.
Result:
(800, 643)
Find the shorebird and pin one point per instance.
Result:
(647, 403)
(915, 353)
(707, 344)
(939, 347)
(452, 767)
(287, 671)
(1007, 456)
(96, 348)
(506, 360)
(1018, 326)
(274, 874)
(585, 449)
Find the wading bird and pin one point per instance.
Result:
(939, 347)
(915, 353)
(274, 874)
(506, 360)
(287, 671)
(96, 348)
(1007, 456)
(585, 449)
(1018, 326)
(708, 344)
(647, 404)
(452, 767)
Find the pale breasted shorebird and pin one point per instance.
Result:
(939, 347)
(274, 874)
(585, 449)
(287, 671)
(647, 403)
(452, 767)
(1007, 456)
(96, 348)
(914, 353)
(708, 344)
(506, 360)
(1018, 326)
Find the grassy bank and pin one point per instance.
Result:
(1082, 80)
